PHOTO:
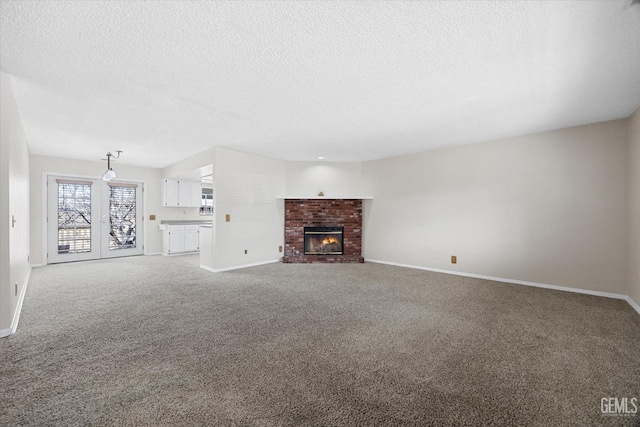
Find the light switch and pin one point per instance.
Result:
(227, 218)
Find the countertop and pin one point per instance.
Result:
(186, 222)
(164, 224)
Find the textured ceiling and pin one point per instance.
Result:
(350, 81)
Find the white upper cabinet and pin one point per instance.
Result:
(184, 193)
(196, 194)
(170, 192)
(181, 193)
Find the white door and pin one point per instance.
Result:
(73, 219)
(91, 219)
(122, 221)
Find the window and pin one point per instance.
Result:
(122, 217)
(74, 217)
(206, 206)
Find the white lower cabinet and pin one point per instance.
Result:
(179, 239)
(191, 238)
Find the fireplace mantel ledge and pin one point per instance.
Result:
(326, 197)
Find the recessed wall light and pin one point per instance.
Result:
(320, 158)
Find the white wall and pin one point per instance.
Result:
(633, 186)
(547, 208)
(334, 179)
(14, 203)
(189, 168)
(56, 165)
(245, 187)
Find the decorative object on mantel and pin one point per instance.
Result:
(320, 194)
(110, 174)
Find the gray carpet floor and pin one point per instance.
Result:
(157, 341)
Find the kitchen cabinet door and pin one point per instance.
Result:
(191, 238)
(170, 192)
(176, 239)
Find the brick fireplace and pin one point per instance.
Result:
(326, 213)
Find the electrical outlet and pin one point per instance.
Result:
(279, 248)
(454, 259)
(245, 251)
(227, 218)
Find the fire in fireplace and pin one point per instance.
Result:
(323, 240)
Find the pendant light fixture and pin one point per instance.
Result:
(110, 174)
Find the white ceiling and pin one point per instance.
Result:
(350, 81)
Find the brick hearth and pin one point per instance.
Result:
(300, 213)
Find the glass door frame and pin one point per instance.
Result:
(141, 229)
(52, 232)
(105, 220)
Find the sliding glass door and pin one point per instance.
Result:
(91, 219)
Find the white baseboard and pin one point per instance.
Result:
(518, 282)
(37, 265)
(23, 291)
(204, 267)
(179, 253)
(153, 253)
(16, 314)
(237, 267)
(633, 304)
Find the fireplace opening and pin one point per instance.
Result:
(323, 240)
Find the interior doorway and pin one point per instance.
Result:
(92, 219)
